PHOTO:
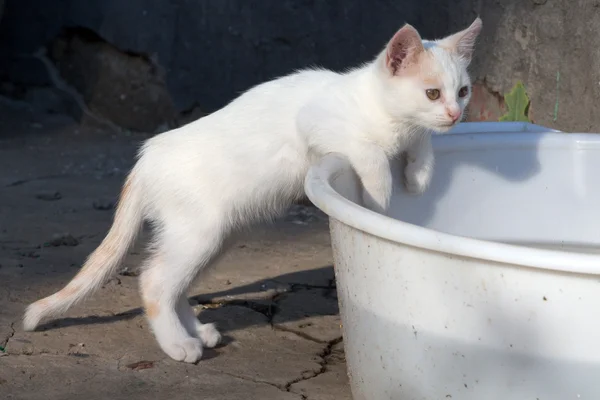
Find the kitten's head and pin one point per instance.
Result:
(425, 82)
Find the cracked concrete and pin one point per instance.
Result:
(331, 383)
(272, 296)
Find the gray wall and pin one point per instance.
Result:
(187, 54)
(533, 41)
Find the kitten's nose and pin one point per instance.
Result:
(454, 114)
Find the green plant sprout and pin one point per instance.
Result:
(517, 102)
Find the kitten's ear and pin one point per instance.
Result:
(403, 49)
(463, 42)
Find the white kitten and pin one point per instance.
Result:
(247, 162)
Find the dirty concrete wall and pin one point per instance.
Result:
(146, 64)
(205, 52)
(552, 46)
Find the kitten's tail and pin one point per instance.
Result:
(101, 264)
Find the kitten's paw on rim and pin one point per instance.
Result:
(188, 350)
(209, 335)
(416, 181)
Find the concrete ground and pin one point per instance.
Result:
(273, 295)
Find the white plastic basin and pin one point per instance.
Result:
(486, 286)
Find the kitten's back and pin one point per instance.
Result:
(241, 150)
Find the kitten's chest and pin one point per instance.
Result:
(404, 138)
(394, 140)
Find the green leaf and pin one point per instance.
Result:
(517, 102)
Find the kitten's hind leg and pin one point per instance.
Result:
(208, 333)
(182, 251)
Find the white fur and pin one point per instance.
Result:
(247, 162)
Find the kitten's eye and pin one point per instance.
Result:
(433, 94)
(463, 92)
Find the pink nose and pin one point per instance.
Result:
(453, 114)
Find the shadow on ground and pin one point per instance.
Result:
(276, 298)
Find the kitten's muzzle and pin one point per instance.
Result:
(453, 115)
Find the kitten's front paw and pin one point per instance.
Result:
(417, 178)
